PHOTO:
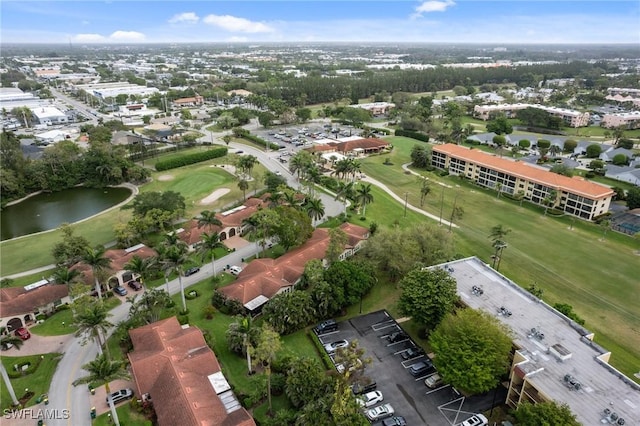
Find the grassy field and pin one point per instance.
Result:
(61, 322)
(597, 276)
(37, 382)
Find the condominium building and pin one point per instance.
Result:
(575, 196)
(633, 93)
(570, 117)
(553, 357)
(627, 120)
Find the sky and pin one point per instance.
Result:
(432, 21)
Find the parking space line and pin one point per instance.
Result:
(436, 389)
(411, 361)
(395, 343)
(383, 325)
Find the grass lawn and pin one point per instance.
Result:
(598, 278)
(280, 402)
(61, 322)
(126, 415)
(38, 381)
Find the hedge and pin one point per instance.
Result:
(245, 134)
(326, 360)
(194, 158)
(411, 134)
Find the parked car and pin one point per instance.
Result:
(359, 389)
(334, 346)
(135, 285)
(235, 270)
(119, 290)
(191, 271)
(380, 412)
(422, 368)
(22, 333)
(398, 336)
(433, 381)
(412, 353)
(326, 327)
(121, 395)
(393, 421)
(475, 420)
(370, 399)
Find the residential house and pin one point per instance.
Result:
(612, 152)
(173, 367)
(189, 102)
(375, 108)
(19, 306)
(264, 278)
(628, 174)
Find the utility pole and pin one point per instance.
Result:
(441, 205)
(406, 195)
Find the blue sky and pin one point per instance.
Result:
(468, 21)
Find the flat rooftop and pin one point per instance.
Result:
(601, 386)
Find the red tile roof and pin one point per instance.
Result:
(119, 258)
(173, 364)
(526, 171)
(267, 276)
(18, 301)
(366, 144)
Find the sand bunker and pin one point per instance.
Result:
(164, 178)
(214, 195)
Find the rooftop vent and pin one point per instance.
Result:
(612, 418)
(560, 352)
(478, 291)
(535, 333)
(571, 382)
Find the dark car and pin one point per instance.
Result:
(393, 421)
(422, 368)
(191, 271)
(135, 285)
(326, 327)
(121, 291)
(121, 395)
(359, 389)
(398, 336)
(412, 353)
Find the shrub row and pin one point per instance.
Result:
(326, 360)
(413, 135)
(185, 160)
(244, 133)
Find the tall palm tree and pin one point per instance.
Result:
(315, 209)
(208, 219)
(66, 276)
(344, 192)
(425, 189)
(102, 370)
(94, 257)
(17, 343)
(245, 327)
(275, 198)
(174, 259)
(92, 323)
(243, 185)
(143, 267)
(208, 245)
(364, 196)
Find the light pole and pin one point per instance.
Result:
(441, 205)
(406, 195)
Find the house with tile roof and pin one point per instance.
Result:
(173, 367)
(264, 278)
(19, 306)
(574, 195)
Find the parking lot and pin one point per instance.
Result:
(408, 395)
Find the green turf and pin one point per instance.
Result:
(37, 382)
(60, 323)
(126, 416)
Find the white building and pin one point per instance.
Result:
(376, 108)
(571, 117)
(628, 120)
(111, 90)
(49, 115)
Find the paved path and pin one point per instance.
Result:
(40, 345)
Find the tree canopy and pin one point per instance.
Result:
(545, 414)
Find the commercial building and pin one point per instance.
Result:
(575, 196)
(627, 120)
(111, 90)
(570, 117)
(375, 108)
(554, 358)
(49, 115)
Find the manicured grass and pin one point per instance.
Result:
(126, 415)
(61, 322)
(598, 278)
(37, 382)
(280, 402)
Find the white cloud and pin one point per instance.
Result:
(235, 24)
(186, 17)
(89, 38)
(127, 36)
(85, 22)
(237, 39)
(433, 6)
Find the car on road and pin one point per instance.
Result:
(380, 412)
(334, 346)
(422, 368)
(191, 271)
(475, 420)
(235, 270)
(412, 353)
(433, 381)
(121, 395)
(120, 291)
(370, 399)
(326, 327)
(134, 285)
(22, 333)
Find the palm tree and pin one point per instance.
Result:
(17, 342)
(364, 196)
(243, 185)
(102, 370)
(498, 187)
(92, 323)
(174, 259)
(425, 189)
(142, 267)
(550, 201)
(245, 327)
(315, 209)
(66, 276)
(344, 192)
(497, 235)
(96, 260)
(208, 245)
(208, 218)
(275, 198)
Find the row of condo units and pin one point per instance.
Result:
(571, 117)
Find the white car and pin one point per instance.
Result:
(334, 346)
(235, 270)
(433, 381)
(475, 420)
(370, 399)
(380, 412)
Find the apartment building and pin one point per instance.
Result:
(553, 358)
(627, 120)
(575, 196)
(375, 108)
(570, 117)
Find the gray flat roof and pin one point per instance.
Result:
(602, 386)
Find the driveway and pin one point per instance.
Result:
(40, 345)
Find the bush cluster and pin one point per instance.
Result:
(185, 160)
(413, 135)
(225, 305)
(244, 133)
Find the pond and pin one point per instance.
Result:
(47, 211)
